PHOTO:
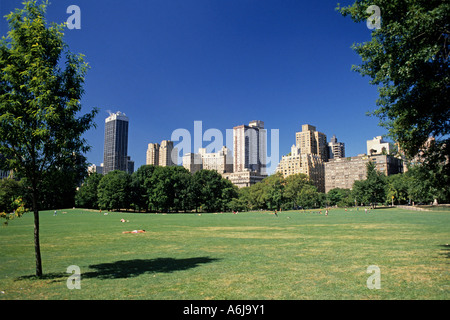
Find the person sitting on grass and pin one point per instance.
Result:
(135, 231)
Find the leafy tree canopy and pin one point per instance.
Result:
(408, 59)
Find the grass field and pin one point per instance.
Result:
(297, 255)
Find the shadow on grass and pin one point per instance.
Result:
(129, 268)
(136, 267)
(446, 250)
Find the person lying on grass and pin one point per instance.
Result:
(135, 231)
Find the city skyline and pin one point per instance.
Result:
(307, 141)
(167, 64)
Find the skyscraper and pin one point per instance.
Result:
(116, 143)
(168, 155)
(311, 141)
(163, 154)
(153, 154)
(250, 147)
(336, 149)
(307, 156)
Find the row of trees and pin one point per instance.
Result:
(160, 189)
(419, 184)
(174, 189)
(276, 192)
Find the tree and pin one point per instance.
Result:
(161, 194)
(87, 196)
(256, 197)
(340, 197)
(58, 189)
(114, 190)
(10, 190)
(375, 185)
(230, 192)
(371, 190)
(397, 188)
(273, 191)
(408, 59)
(181, 180)
(309, 197)
(210, 191)
(41, 84)
(142, 187)
(425, 184)
(359, 192)
(293, 186)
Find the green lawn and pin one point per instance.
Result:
(297, 255)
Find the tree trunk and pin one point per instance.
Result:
(37, 247)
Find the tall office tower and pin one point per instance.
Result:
(153, 154)
(250, 147)
(168, 155)
(116, 143)
(336, 149)
(310, 141)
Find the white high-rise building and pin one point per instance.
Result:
(335, 149)
(250, 147)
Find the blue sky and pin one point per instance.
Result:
(168, 63)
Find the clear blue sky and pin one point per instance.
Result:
(168, 63)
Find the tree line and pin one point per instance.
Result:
(420, 184)
(157, 189)
(175, 189)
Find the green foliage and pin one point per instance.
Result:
(39, 100)
(114, 190)
(160, 189)
(372, 190)
(419, 185)
(211, 192)
(425, 184)
(41, 84)
(340, 197)
(375, 185)
(408, 59)
(397, 188)
(17, 207)
(174, 189)
(276, 192)
(168, 188)
(10, 190)
(86, 196)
